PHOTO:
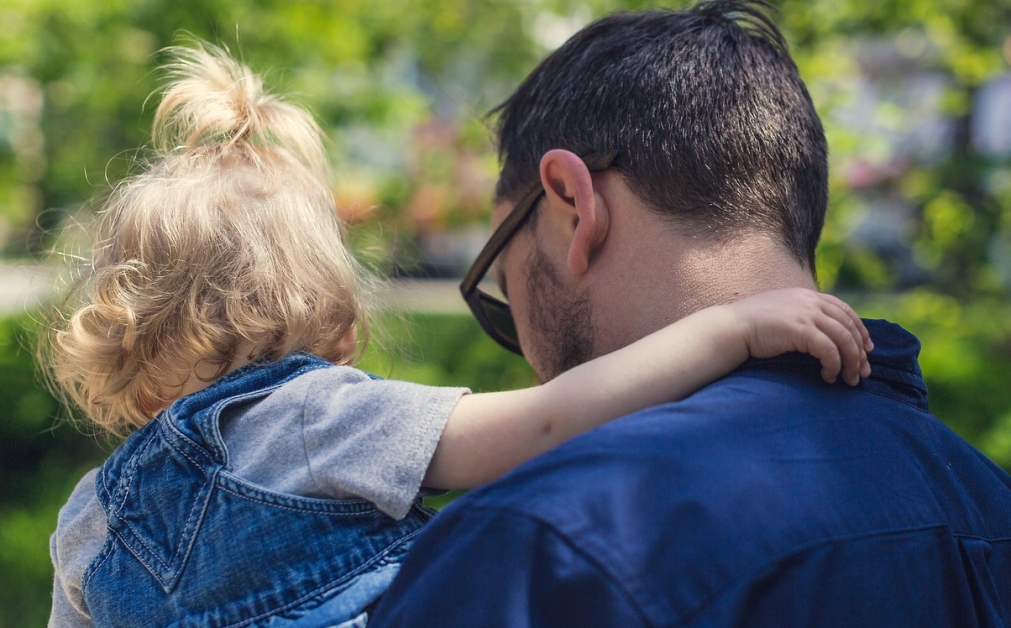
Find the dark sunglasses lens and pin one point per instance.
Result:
(500, 318)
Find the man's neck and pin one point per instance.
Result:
(676, 278)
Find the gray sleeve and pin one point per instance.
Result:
(336, 432)
(375, 438)
(64, 614)
(79, 537)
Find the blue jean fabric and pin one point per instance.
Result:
(191, 544)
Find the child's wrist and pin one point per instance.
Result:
(734, 330)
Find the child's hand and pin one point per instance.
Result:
(810, 322)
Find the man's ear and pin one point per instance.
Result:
(568, 186)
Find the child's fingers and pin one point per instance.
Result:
(845, 315)
(818, 324)
(865, 336)
(847, 342)
(838, 310)
(822, 347)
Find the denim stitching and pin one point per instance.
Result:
(265, 502)
(189, 533)
(214, 421)
(135, 536)
(331, 585)
(126, 479)
(185, 455)
(187, 526)
(125, 537)
(97, 563)
(189, 529)
(238, 485)
(175, 431)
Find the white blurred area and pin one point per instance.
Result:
(24, 286)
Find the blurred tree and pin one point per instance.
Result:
(75, 76)
(919, 221)
(40, 462)
(919, 227)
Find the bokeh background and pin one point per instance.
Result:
(915, 95)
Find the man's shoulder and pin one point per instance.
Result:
(722, 437)
(746, 476)
(764, 459)
(767, 487)
(764, 418)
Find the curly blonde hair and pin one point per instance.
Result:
(229, 236)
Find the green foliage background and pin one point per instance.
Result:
(386, 77)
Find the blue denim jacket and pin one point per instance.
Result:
(191, 544)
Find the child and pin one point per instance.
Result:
(266, 481)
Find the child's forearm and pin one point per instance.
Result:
(488, 434)
(665, 366)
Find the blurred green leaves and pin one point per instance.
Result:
(41, 458)
(919, 225)
(966, 360)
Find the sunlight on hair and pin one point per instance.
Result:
(228, 237)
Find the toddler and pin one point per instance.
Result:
(263, 480)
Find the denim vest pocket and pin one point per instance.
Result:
(191, 544)
(157, 537)
(236, 554)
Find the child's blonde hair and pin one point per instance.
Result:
(229, 236)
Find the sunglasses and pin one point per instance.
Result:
(493, 314)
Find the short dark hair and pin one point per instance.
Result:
(705, 108)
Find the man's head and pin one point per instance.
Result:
(705, 108)
(716, 140)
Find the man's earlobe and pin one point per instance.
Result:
(568, 186)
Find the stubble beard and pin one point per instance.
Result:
(561, 324)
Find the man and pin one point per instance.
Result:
(655, 164)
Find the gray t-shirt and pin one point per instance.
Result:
(330, 433)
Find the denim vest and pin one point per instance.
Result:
(190, 544)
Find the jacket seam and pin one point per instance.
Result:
(612, 578)
(719, 592)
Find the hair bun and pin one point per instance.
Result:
(213, 100)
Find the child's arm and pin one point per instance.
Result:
(488, 434)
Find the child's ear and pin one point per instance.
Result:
(583, 214)
(149, 406)
(347, 346)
